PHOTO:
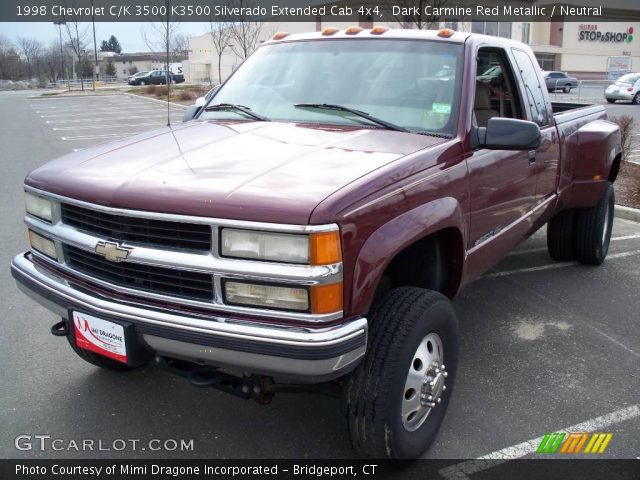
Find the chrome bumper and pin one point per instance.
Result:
(306, 355)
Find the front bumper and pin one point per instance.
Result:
(301, 354)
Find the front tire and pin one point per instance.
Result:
(397, 397)
(567, 89)
(636, 99)
(593, 229)
(611, 100)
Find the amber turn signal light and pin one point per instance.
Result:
(280, 35)
(379, 30)
(324, 248)
(326, 298)
(445, 32)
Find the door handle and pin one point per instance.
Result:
(532, 157)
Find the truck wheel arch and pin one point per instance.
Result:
(439, 222)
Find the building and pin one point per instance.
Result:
(129, 63)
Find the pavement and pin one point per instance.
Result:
(545, 346)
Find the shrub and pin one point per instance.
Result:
(161, 91)
(627, 125)
(151, 89)
(185, 95)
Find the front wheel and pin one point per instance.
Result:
(636, 99)
(593, 229)
(397, 397)
(142, 82)
(611, 100)
(567, 89)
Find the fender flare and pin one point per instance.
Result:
(396, 235)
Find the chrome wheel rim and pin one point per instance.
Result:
(425, 382)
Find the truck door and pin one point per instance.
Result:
(538, 109)
(502, 183)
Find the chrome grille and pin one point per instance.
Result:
(176, 283)
(121, 228)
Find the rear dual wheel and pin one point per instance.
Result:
(583, 234)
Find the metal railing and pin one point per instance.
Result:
(584, 90)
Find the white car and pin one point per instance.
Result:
(627, 87)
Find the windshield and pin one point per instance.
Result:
(629, 78)
(408, 83)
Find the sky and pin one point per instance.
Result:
(129, 34)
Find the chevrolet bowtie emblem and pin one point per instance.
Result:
(112, 251)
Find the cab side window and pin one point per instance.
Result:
(536, 102)
(495, 92)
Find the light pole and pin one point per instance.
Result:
(95, 47)
(59, 24)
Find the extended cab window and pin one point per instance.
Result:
(531, 81)
(414, 84)
(495, 92)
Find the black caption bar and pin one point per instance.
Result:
(316, 469)
(307, 10)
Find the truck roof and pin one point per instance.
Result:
(447, 35)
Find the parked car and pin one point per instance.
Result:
(560, 81)
(627, 88)
(307, 228)
(135, 75)
(156, 77)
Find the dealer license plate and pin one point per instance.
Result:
(100, 336)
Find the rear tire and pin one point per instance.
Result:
(412, 331)
(567, 89)
(593, 229)
(561, 236)
(98, 360)
(636, 99)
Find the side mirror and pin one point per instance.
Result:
(190, 112)
(509, 134)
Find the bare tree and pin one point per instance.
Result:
(220, 37)
(179, 46)
(416, 18)
(10, 64)
(245, 34)
(30, 49)
(77, 35)
(160, 36)
(51, 61)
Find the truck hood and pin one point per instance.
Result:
(261, 171)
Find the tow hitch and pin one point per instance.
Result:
(252, 387)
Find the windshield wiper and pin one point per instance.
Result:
(357, 113)
(241, 108)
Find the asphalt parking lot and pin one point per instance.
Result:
(545, 346)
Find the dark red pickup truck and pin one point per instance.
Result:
(306, 228)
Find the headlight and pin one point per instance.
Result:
(269, 296)
(42, 244)
(315, 249)
(38, 206)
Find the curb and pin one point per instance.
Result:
(627, 213)
(163, 102)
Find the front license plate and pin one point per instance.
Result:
(100, 336)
